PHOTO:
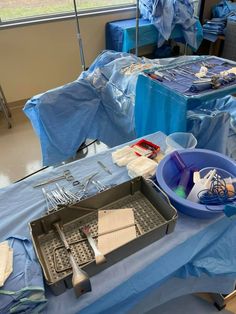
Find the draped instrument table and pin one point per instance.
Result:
(199, 256)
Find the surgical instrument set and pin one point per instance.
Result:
(63, 196)
(196, 77)
(59, 197)
(63, 248)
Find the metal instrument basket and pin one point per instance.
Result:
(154, 218)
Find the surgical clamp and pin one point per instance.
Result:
(67, 175)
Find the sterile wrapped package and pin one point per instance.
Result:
(123, 156)
(142, 166)
(6, 261)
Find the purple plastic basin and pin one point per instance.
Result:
(168, 175)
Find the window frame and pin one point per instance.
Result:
(65, 16)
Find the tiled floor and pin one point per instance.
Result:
(20, 149)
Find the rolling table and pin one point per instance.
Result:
(163, 106)
(199, 256)
(101, 105)
(120, 35)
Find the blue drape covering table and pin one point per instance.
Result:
(200, 255)
(120, 35)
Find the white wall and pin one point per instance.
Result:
(35, 58)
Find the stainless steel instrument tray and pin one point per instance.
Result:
(154, 218)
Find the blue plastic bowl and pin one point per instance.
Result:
(168, 176)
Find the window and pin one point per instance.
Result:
(19, 9)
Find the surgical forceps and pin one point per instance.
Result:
(66, 175)
(84, 185)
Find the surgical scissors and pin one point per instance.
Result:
(66, 175)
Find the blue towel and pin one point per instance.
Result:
(213, 123)
(99, 105)
(166, 14)
(23, 291)
(223, 9)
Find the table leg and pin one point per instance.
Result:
(220, 301)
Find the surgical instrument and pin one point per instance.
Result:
(172, 77)
(162, 75)
(83, 185)
(87, 181)
(69, 196)
(208, 65)
(104, 167)
(88, 178)
(59, 197)
(99, 257)
(121, 228)
(67, 175)
(76, 182)
(80, 279)
(159, 76)
(47, 201)
(100, 187)
(155, 77)
(171, 74)
(181, 73)
(184, 70)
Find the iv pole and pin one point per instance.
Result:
(137, 29)
(79, 38)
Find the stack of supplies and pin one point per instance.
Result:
(213, 28)
(221, 12)
(123, 156)
(6, 258)
(139, 158)
(22, 288)
(142, 166)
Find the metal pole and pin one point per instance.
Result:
(4, 108)
(79, 38)
(137, 29)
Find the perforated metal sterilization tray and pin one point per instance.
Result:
(154, 218)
